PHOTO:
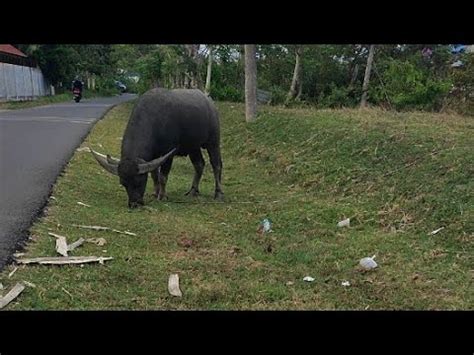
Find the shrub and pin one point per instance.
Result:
(409, 87)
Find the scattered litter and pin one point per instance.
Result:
(99, 241)
(368, 263)
(367, 307)
(173, 285)
(17, 255)
(344, 223)
(84, 149)
(104, 251)
(55, 235)
(308, 279)
(96, 228)
(76, 244)
(61, 246)
(29, 284)
(11, 273)
(66, 291)
(290, 283)
(99, 228)
(436, 231)
(83, 204)
(265, 226)
(53, 198)
(345, 283)
(10, 296)
(64, 260)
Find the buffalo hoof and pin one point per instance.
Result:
(161, 197)
(219, 196)
(193, 192)
(135, 204)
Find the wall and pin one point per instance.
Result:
(21, 83)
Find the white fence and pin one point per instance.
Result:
(21, 83)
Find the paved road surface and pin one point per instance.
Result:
(35, 145)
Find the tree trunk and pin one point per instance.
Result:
(368, 68)
(192, 80)
(209, 70)
(296, 87)
(250, 82)
(355, 72)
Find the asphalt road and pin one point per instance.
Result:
(35, 145)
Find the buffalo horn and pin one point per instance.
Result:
(154, 164)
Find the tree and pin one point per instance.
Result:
(192, 79)
(209, 70)
(58, 62)
(250, 82)
(368, 68)
(296, 84)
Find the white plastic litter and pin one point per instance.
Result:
(436, 231)
(344, 223)
(173, 285)
(308, 279)
(267, 225)
(345, 283)
(368, 263)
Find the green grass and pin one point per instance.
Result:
(398, 176)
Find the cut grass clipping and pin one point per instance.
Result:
(397, 177)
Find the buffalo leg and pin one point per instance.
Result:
(155, 175)
(198, 163)
(216, 162)
(163, 178)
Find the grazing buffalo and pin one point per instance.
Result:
(163, 124)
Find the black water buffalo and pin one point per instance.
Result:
(163, 124)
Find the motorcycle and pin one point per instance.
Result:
(77, 94)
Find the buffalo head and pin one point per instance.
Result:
(133, 173)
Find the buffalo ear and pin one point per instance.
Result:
(144, 168)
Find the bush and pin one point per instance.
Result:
(409, 87)
(338, 97)
(105, 86)
(278, 95)
(226, 93)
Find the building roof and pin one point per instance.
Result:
(9, 49)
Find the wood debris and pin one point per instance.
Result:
(64, 260)
(10, 296)
(100, 228)
(83, 204)
(76, 244)
(61, 244)
(11, 273)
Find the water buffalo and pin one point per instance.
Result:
(163, 124)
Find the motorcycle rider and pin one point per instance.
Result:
(77, 83)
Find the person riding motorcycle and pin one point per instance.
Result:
(78, 84)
